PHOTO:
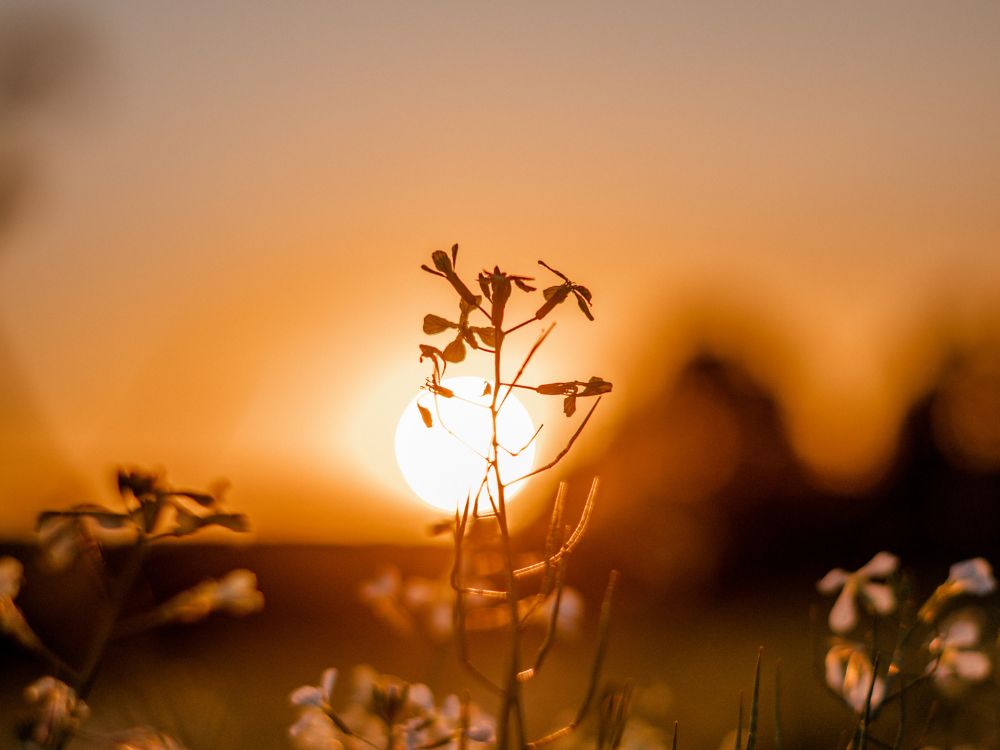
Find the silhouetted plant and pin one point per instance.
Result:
(150, 512)
(497, 287)
(504, 601)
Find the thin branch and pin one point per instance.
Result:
(523, 448)
(550, 634)
(458, 615)
(522, 324)
(595, 672)
(570, 543)
(446, 428)
(485, 593)
(531, 353)
(563, 452)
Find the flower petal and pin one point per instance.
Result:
(307, 695)
(11, 572)
(835, 668)
(832, 581)
(972, 666)
(883, 565)
(844, 614)
(961, 632)
(974, 576)
(881, 596)
(327, 681)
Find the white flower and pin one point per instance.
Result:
(974, 577)
(317, 696)
(382, 594)
(481, 726)
(877, 596)
(145, 738)
(314, 731)
(432, 601)
(235, 594)
(57, 709)
(849, 674)
(958, 659)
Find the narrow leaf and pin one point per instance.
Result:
(555, 389)
(425, 415)
(754, 706)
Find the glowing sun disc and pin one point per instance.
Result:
(443, 468)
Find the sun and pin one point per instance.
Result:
(445, 463)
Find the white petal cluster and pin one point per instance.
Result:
(958, 657)
(386, 712)
(867, 584)
(56, 708)
(967, 578)
(235, 594)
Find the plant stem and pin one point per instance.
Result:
(120, 589)
(512, 686)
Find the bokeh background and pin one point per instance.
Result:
(211, 222)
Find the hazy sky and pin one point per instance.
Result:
(218, 270)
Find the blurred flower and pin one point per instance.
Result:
(481, 726)
(317, 696)
(236, 594)
(57, 709)
(849, 675)
(432, 602)
(383, 711)
(878, 597)
(974, 577)
(957, 658)
(145, 738)
(314, 730)
(382, 594)
(12, 620)
(570, 616)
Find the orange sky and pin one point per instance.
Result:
(217, 273)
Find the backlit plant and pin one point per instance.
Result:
(515, 595)
(112, 544)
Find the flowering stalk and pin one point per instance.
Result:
(150, 511)
(497, 287)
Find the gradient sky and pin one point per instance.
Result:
(217, 270)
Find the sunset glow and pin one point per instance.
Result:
(445, 463)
